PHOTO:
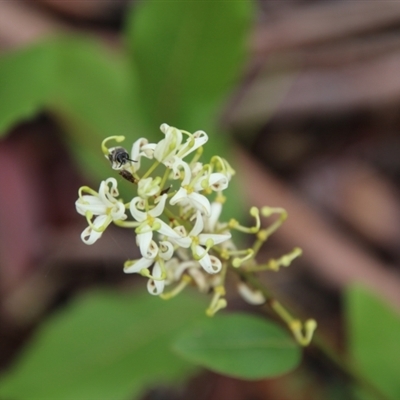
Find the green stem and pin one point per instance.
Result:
(317, 344)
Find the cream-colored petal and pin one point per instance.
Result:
(156, 287)
(90, 203)
(176, 165)
(144, 240)
(200, 202)
(159, 208)
(205, 261)
(137, 214)
(211, 222)
(118, 211)
(168, 146)
(89, 236)
(137, 265)
(198, 226)
(198, 139)
(251, 296)
(180, 195)
(218, 181)
(166, 250)
(216, 238)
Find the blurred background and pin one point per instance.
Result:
(309, 106)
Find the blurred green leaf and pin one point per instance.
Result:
(94, 99)
(26, 82)
(103, 346)
(188, 55)
(374, 339)
(89, 88)
(239, 345)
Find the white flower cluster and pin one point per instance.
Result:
(178, 232)
(174, 205)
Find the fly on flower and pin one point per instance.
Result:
(119, 159)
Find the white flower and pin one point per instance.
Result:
(196, 140)
(103, 206)
(195, 240)
(186, 195)
(148, 187)
(167, 147)
(156, 255)
(215, 181)
(140, 148)
(149, 222)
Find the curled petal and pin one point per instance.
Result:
(181, 239)
(180, 195)
(181, 231)
(113, 188)
(90, 203)
(198, 226)
(252, 296)
(168, 146)
(200, 202)
(166, 230)
(196, 200)
(211, 222)
(136, 153)
(159, 208)
(156, 287)
(164, 128)
(205, 262)
(176, 165)
(148, 187)
(152, 250)
(148, 150)
(118, 211)
(89, 236)
(135, 266)
(144, 240)
(101, 222)
(210, 264)
(216, 238)
(216, 264)
(166, 250)
(218, 181)
(137, 214)
(197, 140)
(104, 191)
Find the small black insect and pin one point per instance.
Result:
(118, 157)
(166, 190)
(127, 175)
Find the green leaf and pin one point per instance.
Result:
(93, 100)
(239, 345)
(103, 346)
(89, 88)
(26, 81)
(374, 339)
(188, 55)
